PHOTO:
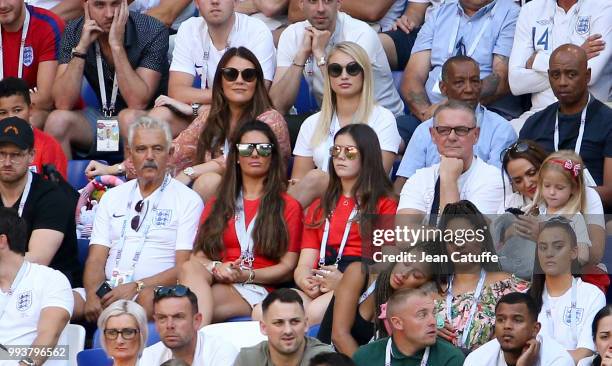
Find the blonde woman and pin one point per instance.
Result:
(123, 332)
(347, 98)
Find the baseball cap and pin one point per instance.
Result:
(17, 131)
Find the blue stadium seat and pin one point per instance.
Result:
(239, 319)
(89, 95)
(151, 339)
(305, 102)
(396, 165)
(607, 260)
(83, 248)
(76, 173)
(397, 81)
(313, 330)
(93, 357)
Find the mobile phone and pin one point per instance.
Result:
(103, 289)
(515, 211)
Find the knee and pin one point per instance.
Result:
(127, 116)
(193, 268)
(58, 123)
(161, 113)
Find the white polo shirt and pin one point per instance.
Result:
(543, 26)
(188, 54)
(173, 226)
(209, 351)
(589, 300)
(381, 120)
(347, 29)
(481, 184)
(490, 354)
(41, 287)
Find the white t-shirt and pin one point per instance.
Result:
(543, 26)
(347, 29)
(41, 287)
(481, 184)
(209, 351)
(381, 120)
(589, 300)
(587, 361)
(45, 4)
(188, 54)
(490, 354)
(173, 226)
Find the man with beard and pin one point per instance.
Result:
(177, 320)
(285, 324)
(143, 230)
(517, 342)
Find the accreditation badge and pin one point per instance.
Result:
(107, 132)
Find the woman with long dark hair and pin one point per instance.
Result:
(249, 239)
(568, 304)
(475, 281)
(602, 336)
(358, 189)
(239, 94)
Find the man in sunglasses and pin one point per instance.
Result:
(460, 175)
(303, 46)
(460, 81)
(144, 229)
(35, 300)
(177, 320)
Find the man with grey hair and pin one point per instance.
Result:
(143, 229)
(460, 175)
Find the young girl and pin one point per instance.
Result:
(334, 225)
(561, 191)
(249, 240)
(568, 304)
(354, 317)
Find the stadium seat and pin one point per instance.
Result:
(73, 336)
(607, 260)
(313, 330)
(83, 248)
(151, 339)
(76, 173)
(88, 95)
(396, 165)
(305, 103)
(93, 357)
(397, 81)
(238, 319)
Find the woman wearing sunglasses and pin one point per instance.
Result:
(249, 239)
(347, 99)
(238, 95)
(335, 224)
(568, 304)
(123, 332)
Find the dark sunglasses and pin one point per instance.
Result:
(231, 74)
(350, 152)
(352, 68)
(170, 291)
(135, 223)
(459, 131)
(517, 147)
(126, 333)
(263, 150)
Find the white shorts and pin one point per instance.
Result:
(253, 294)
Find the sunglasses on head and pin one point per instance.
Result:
(135, 223)
(517, 147)
(350, 152)
(170, 291)
(263, 150)
(126, 333)
(459, 131)
(352, 68)
(231, 74)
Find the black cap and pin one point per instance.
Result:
(17, 131)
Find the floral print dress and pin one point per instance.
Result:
(483, 325)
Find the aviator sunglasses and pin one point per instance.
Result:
(350, 152)
(263, 150)
(231, 74)
(352, 68)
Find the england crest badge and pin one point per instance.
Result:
(567, 315)
(24, 301)
(583, 25)
(28, 55)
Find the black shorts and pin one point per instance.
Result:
(403, 45)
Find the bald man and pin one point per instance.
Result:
(569, 77)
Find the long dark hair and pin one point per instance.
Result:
(270, 233)
(602, 313)
(383, 286)
(217, 127)
(538, 279)
(466, 210)
(372, 185)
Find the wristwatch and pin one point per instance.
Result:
(120, 168)
(139, 286)
(78, 54)
(321, 61)
(28, 361)
(189, 171)
(195, 107)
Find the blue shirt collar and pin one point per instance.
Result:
(480, 13)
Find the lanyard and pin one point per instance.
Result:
(580, 130)
(347, 228)
(20, 274)
(573, 320)
(24, 34)
(108, 109)
(147, 227)
(367, 292)
(449, 303)
(244, 234)
(389, 355)
(483, 29)
(25, 194)
(206, 41)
